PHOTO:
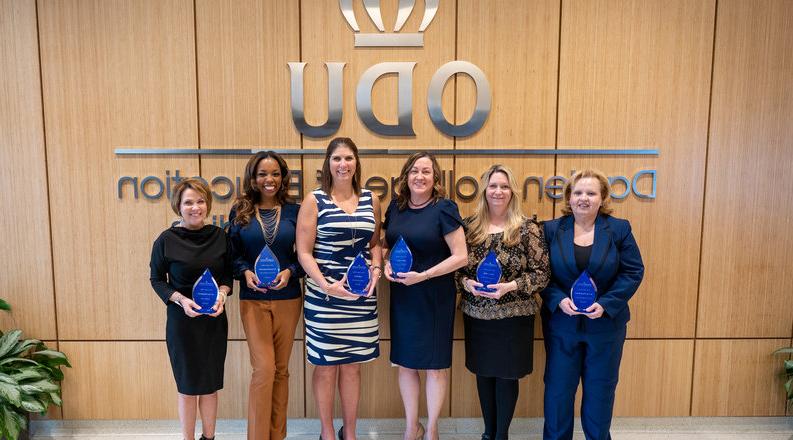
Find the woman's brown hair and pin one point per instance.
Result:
(197, 185)
(326, 181)
(403, 191)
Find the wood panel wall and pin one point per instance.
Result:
(707, 83)
(26, 281)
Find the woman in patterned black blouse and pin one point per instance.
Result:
(499, 326)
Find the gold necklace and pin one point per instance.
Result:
(269, 222)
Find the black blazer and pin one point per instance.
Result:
(615, 265)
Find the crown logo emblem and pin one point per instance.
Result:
(390, 39)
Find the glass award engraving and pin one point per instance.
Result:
(583, 292)
(205, 292)
(358, 275)
(488, 272)
(401, 258)
(266, 267)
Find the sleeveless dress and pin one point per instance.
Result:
(340, 331)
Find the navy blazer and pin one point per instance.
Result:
(615, 265)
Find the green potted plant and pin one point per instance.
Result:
(787, 374)
(30, 375)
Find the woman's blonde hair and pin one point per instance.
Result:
(605, 190)
(480, 221)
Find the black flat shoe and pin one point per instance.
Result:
(341, 433)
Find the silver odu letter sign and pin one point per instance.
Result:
(335, 109)
(404, 72)
(363, 98)
(434, 95)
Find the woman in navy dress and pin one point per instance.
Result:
(196, 343)
(423, 299)
(586, 345)
(335, 224)
(264, 216)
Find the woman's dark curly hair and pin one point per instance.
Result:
(246, 202)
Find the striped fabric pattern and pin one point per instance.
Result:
(340, 331)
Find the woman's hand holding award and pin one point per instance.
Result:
(584, 292)
(488, 272)
(401, 258)
(266, 267)
(205, 292)
(358, 276)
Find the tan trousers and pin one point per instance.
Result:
(270, 330)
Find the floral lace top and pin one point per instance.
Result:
(526, 263)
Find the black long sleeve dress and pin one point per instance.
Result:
(196, 346)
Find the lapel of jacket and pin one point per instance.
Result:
(601, 245)
(565, 243)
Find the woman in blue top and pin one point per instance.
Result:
(264, 215)
(585, 345)
(337, 222)
(423, 299)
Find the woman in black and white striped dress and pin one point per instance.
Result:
(336, 223)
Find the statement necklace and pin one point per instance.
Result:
(419, 205)
(268, 221)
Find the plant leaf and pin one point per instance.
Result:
(31, 404)
(56, 399)
(23, 346)
(784, 350)
(11, 393)
(51, 358)
(41, 386)
(14, 422)
(4, 305)
(9, 362)
(5, 378)
(28, 373)
(8, 341)
(55, 374)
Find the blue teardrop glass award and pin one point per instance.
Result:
(488, 272)
(358, 275)
(205, 292)
(401, 258)
(266, 267)
(583, 292)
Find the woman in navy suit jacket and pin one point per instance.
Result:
(586, 344)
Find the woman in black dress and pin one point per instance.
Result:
(499, 325)
(196, 342)
(422, 300)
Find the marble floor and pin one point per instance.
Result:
(677, 428)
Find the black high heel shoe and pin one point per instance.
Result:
(341, 433)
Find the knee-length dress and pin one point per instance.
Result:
(340, 331)
(422, 315)
(196, 346)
